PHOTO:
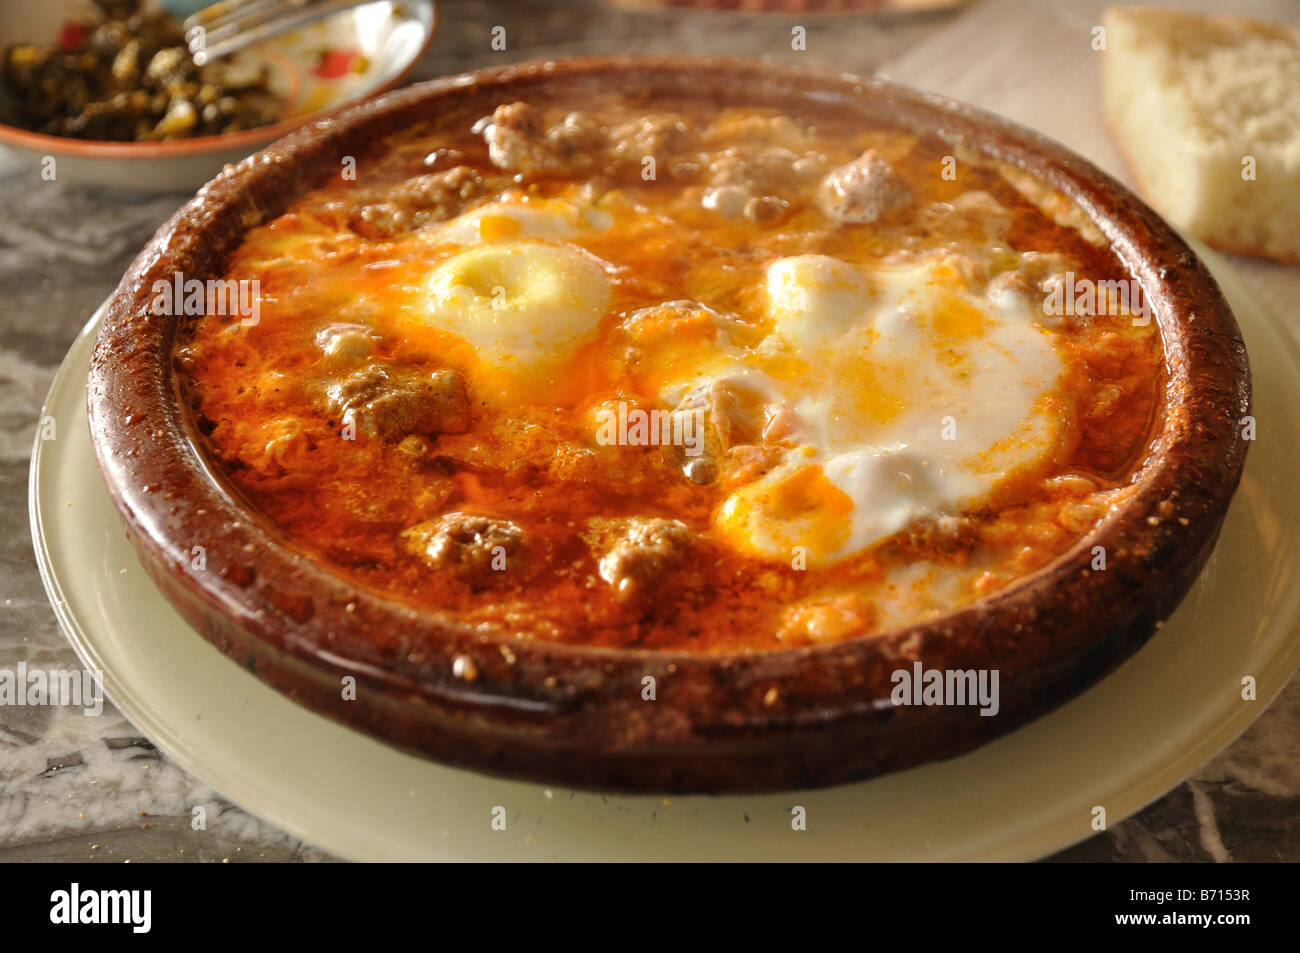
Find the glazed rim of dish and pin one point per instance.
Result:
(719, 721)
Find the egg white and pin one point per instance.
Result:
(909, 397)
(520, 217)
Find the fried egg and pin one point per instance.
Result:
(520, 295)
(904, 396)
(893, 393)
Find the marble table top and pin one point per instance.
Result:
(77, 788)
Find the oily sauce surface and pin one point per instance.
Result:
(561, 508)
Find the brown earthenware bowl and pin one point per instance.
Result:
(719, 722)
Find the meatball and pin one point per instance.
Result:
(518, 140)
(381, 221)
(721, 416)
(439, 192)
(389, 404)
(474, 548)
(648, 548)
(825, 620)
(658, 136)
(752, 184)
(859, 192)
(577, 134)
(421, 200)
(346, 342)
(1039, 276)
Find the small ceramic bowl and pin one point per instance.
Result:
(315, 70)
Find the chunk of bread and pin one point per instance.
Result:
(1207, 112)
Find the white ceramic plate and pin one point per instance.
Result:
(1121, 745)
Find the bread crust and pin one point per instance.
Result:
(1190, 18)
(1135, 16)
